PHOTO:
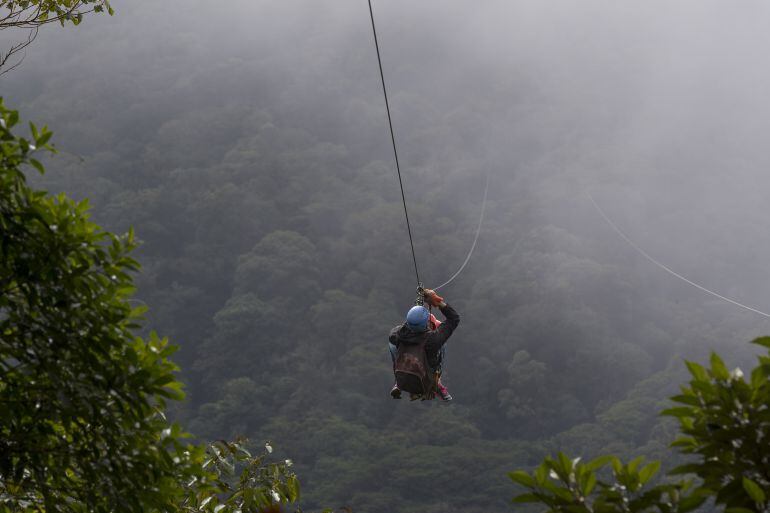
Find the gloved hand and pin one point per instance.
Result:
(432, 298)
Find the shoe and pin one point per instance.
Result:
(442, 392)
(395, 392)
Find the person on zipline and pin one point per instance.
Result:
(419, 323)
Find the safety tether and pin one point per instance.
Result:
(393, 140)
(475, 238)
(664, 267)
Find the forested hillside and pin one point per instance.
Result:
(248, 147)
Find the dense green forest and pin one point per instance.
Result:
(248, 148)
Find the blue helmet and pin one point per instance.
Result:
(417, 318)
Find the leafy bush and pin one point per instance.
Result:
(82, 399)
(240, 482)
(725, 425)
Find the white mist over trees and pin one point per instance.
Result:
(248, 146)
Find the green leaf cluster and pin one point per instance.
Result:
(240, 482)
(724, 421)
(81, 397)
(568, 485)
(32, 13)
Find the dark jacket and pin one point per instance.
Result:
(435, 338)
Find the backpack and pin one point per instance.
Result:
(413, 374)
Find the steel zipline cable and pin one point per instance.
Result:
(393, 140)
(664, 267)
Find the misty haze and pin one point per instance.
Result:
(247, 144)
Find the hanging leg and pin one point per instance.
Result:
(441, 390)
(395, 392)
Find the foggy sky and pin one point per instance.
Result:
(659, 108)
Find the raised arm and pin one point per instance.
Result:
(444, 331)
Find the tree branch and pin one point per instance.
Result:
(32, 17)
(16, 48)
